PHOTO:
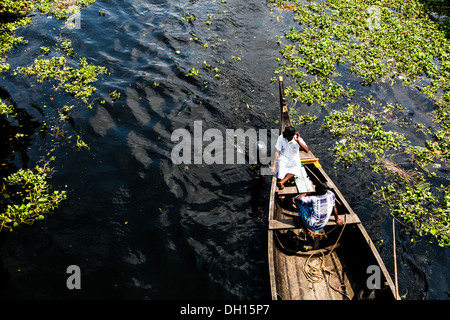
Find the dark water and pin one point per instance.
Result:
(139, 226)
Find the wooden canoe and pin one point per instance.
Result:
(343, 264)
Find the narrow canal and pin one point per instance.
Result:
(140, 226)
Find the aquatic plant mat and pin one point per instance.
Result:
(378, 44)
(26, 194)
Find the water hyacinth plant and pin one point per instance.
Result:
(27, 197)
(361, 136)
(75, 81)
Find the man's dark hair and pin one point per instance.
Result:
(288, 132)
(321, 188)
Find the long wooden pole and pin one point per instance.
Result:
(395, 260)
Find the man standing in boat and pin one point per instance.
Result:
(287, 155)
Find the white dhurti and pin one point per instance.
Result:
(289, 159)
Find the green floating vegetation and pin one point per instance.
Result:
(5, 109)
(383, 41)
(418, 204)
(114, 95)
(442, 116)
(386, 38)
(8, 40)
(81, 145)
(76, 81)
(210, 43)
(318, 91)
(361, 135)
(192, 72)
(61, 9)
(27, 197)
(14, 14)
(189, 18)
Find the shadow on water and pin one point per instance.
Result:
(138, 226)
(14, 152)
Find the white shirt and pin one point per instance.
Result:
(289, 159)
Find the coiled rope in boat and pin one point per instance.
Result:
(314, 272)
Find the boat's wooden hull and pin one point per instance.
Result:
(343, 270)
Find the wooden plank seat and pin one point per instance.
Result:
(288, 223)
(287, 191)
